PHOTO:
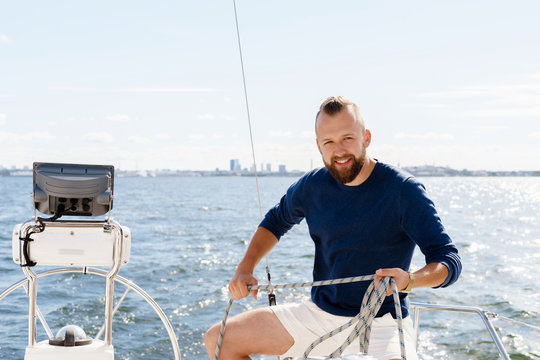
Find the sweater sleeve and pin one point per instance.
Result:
(288, 212)
(423, 225)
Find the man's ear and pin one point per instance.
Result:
(367, 138)
(318, 146)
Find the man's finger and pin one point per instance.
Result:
(379, 275)
(382, 273)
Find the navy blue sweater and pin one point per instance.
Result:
(359, 229)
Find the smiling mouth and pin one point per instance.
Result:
(343, 162)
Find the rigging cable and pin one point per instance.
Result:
(271, 295)
(497, 316)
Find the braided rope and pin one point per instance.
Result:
(371, 303)
(399, 318)
(362, 329)
(363, 324)
(222, 328)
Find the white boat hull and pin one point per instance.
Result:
(97, 350)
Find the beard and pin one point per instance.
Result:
(347, 174)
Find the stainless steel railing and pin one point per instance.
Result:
(484, 315)
(119, 279)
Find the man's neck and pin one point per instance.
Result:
(364, 174)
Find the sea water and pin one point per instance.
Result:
(188, 234)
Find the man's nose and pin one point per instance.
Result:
(339, 149)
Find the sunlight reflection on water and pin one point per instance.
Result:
(187, 239)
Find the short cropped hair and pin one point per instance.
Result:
(335, 104)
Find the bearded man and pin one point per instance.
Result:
(365, 217)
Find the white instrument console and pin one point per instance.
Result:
(71, 243)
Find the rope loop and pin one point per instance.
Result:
(371, 303)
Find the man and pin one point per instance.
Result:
(364, 217)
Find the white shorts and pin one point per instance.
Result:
(306, 322)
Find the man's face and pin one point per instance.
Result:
(342, 144)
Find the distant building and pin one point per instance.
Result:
(269, 167)
(282, 169)
(235, 165)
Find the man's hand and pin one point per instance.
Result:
(401, 277)
(261, 243)
(238, 287)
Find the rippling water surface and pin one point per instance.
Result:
(189, 233)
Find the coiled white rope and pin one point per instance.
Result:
(371, 303)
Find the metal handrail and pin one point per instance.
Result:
(109, 278)
(464, 309)
(117, 278)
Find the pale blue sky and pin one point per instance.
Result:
(157, 84)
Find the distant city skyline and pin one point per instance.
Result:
(420, 171)
(159, 86)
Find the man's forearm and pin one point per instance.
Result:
(261, 243)
(432, 275)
